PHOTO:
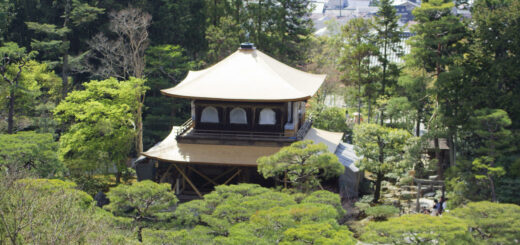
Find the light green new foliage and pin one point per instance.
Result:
(303, 162)
(418, 229)
(33, 151)
(269, 225)
(382, 212)
(43, 211)
(382, 149)
(197, 235)
(24, 83)
(55, 186)
(492, 223)
(101, 122)
(332, 119)
(319, 234)
(251, 214)
(229, 205)
(325, 197)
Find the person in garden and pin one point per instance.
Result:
(435, 208)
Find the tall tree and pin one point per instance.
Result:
(416, 87)
(124, 57)
(382, 149)
(490, 127)
(282, 28)
(355, 62)
(293, 30)
(55, 46)
(438, 46)
(387, 40)
(493, 56)
(223, 39)
(166, 65)
(13, 60)
(324, 58)
(100, 124)
(6, 16)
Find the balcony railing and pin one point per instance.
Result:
(184, 127)
(185, 132)
(304, 129)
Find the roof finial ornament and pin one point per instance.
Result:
(247, 46)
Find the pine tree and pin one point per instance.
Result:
(438, 46)
(387, 40)
(490, 126)
(13, 62)
(382, 149)
(354, 61)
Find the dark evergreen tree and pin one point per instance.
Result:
(438, 45)
(55, 46)
(388, 41)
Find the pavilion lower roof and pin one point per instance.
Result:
(169, 150)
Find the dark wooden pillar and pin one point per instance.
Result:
(418, 206)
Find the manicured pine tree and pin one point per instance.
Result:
(382, 149)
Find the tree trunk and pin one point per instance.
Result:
(492, 187)
(359, 104)
(383, 85)
(139, 136)
(10, 121)
(418, 123)
(451, 145)
(140, 233)
(65, 76)
(369, 109)
(377, 192)
(438, 157)
(118, 176)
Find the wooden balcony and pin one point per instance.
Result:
(188, 134)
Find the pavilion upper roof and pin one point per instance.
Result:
(248, 75)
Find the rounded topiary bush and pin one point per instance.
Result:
(382, 212)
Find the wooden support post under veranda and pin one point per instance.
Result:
(208, 179)
(187, 179)
(233, 176)
(220, 175)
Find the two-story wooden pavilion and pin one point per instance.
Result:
(246, 106)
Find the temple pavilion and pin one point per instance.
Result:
(246, 106)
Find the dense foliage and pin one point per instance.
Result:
(101, 123)
(418, 229)
(47, 211)
(491, 223)
(382, 149)
(302, 164)
(80, 98)
(248, 213)
(33, 151)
